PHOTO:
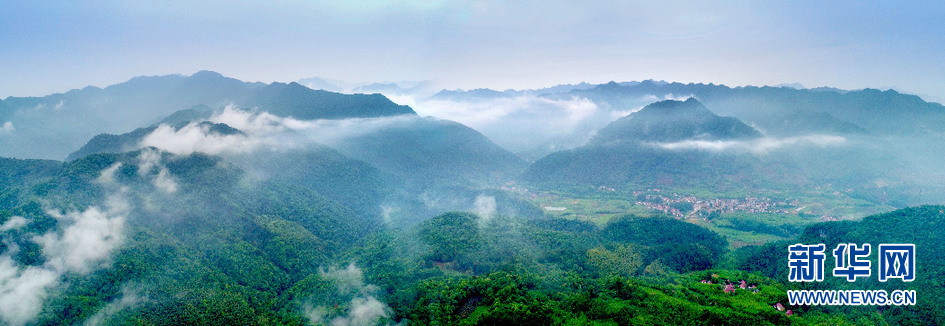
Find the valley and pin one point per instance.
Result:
(277, 204)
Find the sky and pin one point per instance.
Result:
(54, 46)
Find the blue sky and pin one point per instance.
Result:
(54, 46)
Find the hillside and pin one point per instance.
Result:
(300, 102)
(627, 153)
(53, 126)
(670, 121)
(783, 111)
(291, 206)
(432, 151)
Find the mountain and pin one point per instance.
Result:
(623, 152)
(417, 150)
(107, 143)
(51, 127)
(276, 204)
(918, 226)
(446, 162)
(563, 88)
(195, 113)
(322, 84)
(192, 231)
(300, 102)
(780, 111)
(678, 144)
(433, 151)
(670, 121)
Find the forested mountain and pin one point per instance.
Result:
(434, 151)
(300, 102)
(917, 225)
(53, 126)
(780, 111)
(207, 200)
(670, 121)
(860, 140)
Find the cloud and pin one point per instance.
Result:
(363, 308)
(149, 161)
(485, 112)
(362, 312)
(348, 279)
(523, 122)
(130, 296)
(82, 246)
(754, 146)
(107, 176)
(197, 137)
(528, 124)
(261, 130)
(23, 290)
(84, 243)
(7, 128)
(13, 223)
(485, 207)
(249, 121)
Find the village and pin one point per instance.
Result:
(671, 203)
(684, 206)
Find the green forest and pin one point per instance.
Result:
(288, 205)
(226, 251)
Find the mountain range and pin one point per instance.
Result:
(53, 126)
(203, 199)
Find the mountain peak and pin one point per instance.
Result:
(206, 74)
(301, 102)
(690, 107)
(670, 120)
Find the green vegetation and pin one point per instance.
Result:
(274, 252)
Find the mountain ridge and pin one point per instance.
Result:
(671, 120)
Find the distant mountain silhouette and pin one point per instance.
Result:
(55, 125)
(670, 120)
(300, 102)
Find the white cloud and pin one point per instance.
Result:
(7, 128)
(149, 160)
(248, 121)
(82, 246)
(485, 207)
(529, 124)
(261, 130)
(363, 311)
(164, 181)
(130, 297)
(754, 146)
(22, 290)
(348, 279)
(363, 308)
(13, 223)
(555, 114)
(84, 243)
(196, 137)
(522, 122)
(331, 132)
(107, 176)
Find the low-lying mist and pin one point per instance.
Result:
(529, 125)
